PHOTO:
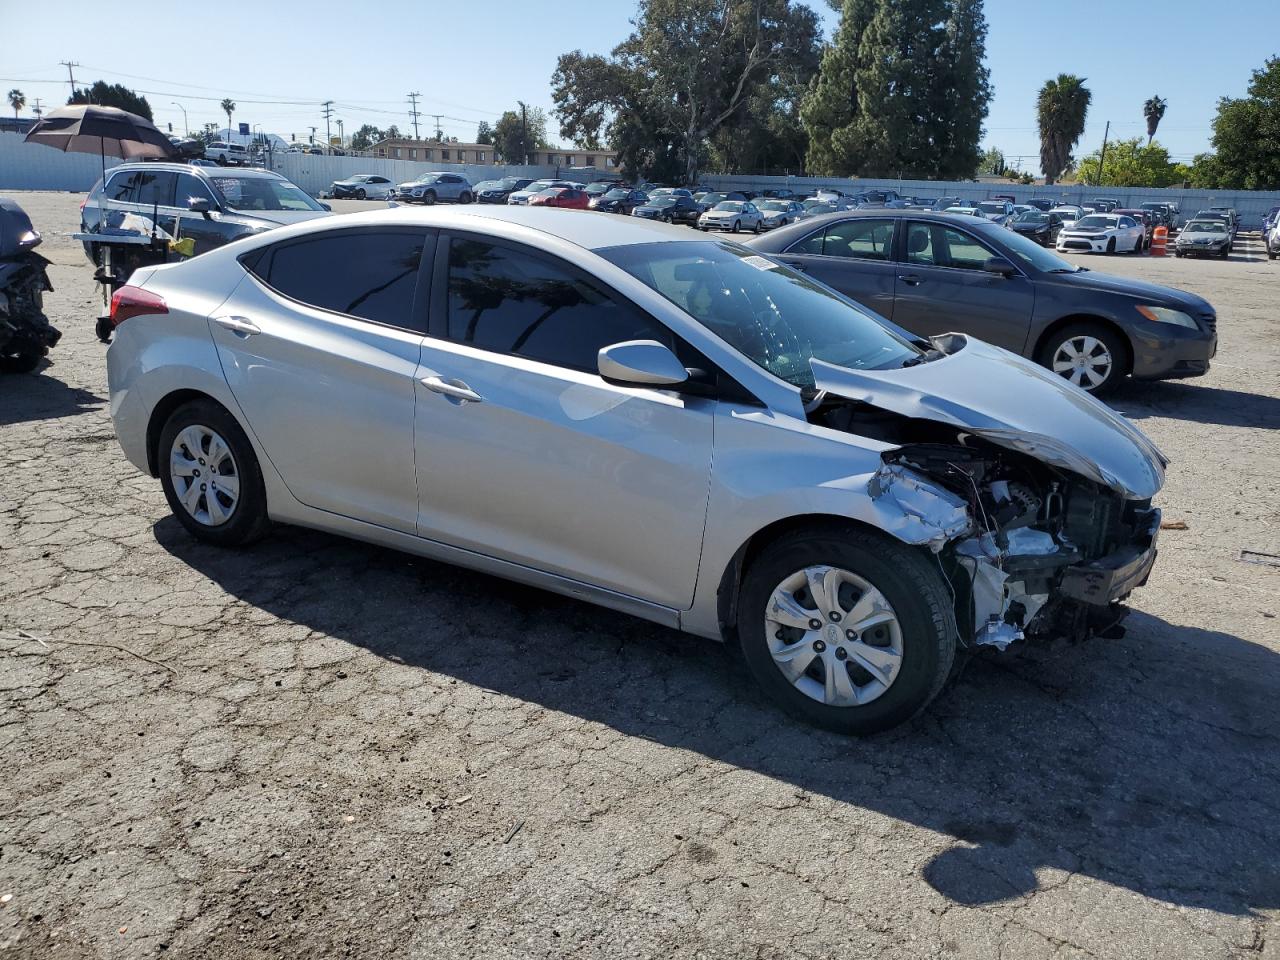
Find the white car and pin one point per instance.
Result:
(965, 211)
(778, 213)
(363, 186)
(226, 154)
(1102, 233)
(1068, 213)
(732, 215)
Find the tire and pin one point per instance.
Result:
(24, 361)
(429, 198)
(360, 195)
(1111, 245)
(465, 198)
(757, 229)
(919, 599)
(221, 161)
(737, 225)
(1112, 342)
(245, 517)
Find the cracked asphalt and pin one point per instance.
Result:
(319, 748)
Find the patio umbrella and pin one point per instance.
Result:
(88, 128)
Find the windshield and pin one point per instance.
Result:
(1095, 223)
(1029, 252)
(991, 207)
(775, 205)
(967, 210)
(427, 178)
(667, 201)
(617, 194)
(810, 204)
(509, 183)
(1205, 226)
(776, 317)
(489, 185)
(734, 205)
(262, 193)
(1033, 216)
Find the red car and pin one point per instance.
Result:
(571, 198)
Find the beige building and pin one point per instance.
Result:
(434, 151)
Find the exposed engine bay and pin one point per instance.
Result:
(1032, 551)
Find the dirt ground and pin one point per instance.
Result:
(319, 748)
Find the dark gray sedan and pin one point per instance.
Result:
(934, 273)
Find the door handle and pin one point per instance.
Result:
(241, 326)
(455, 389)
(911, 279)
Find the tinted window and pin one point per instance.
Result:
(367, 275)
(153, 188)
(939, 246)
(120, 187)
(503, 300)
(862, 239)
(189, 188)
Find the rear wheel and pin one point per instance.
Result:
(1088, 354)
(465, 198)
(211, 476)
(847, 628)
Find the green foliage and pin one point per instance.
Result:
(17, 100)
(991, 163)
(484, 132)
(514, 140)
(695, 78)
(1246, 138)
(365, 137)
(1061, 108)
(1153, 110)
(902, 90)
(112, 95)
(391, 133)
(1129, 163)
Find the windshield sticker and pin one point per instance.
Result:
(760, 263)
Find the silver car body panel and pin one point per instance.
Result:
(1015, 403)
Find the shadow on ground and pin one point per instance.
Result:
(1188, 400)
(25, 397)
(1149, 763)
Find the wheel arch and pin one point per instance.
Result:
(161, 413)
(1062, 322)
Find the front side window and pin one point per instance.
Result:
(261, 193)
(362, 274)
(154, 188)
(508, 301)
(190, 188)
(773, 315)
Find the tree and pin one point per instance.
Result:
(365, 137)
(1061, 108)
(688, 69)
(484, 132)
(112, 95)
(515, 138)
(901, 90)
(228, 107)
(1153, 110)
(17, 100)
(1246, 137)
(1129, 164)
(391, 133)
(992, 163)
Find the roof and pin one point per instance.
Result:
(178, 167)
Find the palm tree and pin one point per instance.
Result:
(1060, 111)
(17, 100)
(1153, 110)
(228, 107)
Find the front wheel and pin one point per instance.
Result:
(360, 195)
(211, 476)
(1111, 245)
(23, 361)
(846, 628)
(429, 197)
(1088, 354)
(737, 225)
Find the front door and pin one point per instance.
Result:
(525, 454)
(855, 257)
(943, 288)
(320, 345)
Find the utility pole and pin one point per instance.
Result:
(413, 111)
(524, 133)
(185, 126)
(1102, 157)
(313, 136)
(38, 109)
(340, 139)
(438, 132)
(328, 112)
(69, 64)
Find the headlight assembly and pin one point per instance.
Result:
(1166, 315)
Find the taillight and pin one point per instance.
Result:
(134, 302)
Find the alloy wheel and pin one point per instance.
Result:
(205, 476)
(1084, 360)
(834, 636)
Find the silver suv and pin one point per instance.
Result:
(434, 187)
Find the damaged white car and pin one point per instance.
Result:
(667, 425)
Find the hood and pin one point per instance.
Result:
(1012, 402)
(1027, 227)
(1138, 290)
(283, 217)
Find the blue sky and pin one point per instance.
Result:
(472, 62)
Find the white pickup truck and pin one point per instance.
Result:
(227, 154)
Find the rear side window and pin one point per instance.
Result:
(120, 188)
(861, 239)
(367, 274)
(153, 188)
(507, 301)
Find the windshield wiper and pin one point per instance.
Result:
(926, 357)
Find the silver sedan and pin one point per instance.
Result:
(667, 424)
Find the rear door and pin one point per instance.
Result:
(320, 345)
(942, 287)
(854, 256)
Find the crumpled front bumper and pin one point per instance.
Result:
(1115, 576)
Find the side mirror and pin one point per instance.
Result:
(199, 205)
(999, 266)
(640, 363)
(327, 207)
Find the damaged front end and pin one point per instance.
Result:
(1041, 518)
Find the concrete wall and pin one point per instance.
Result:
(1253, 206)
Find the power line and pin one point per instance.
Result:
(69, 64)
(328, 112)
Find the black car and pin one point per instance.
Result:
(619, 200)
(708, 200)
(670, 208)
(1042, 203)
(933, 273)
(497, 191)
(1039, 226)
